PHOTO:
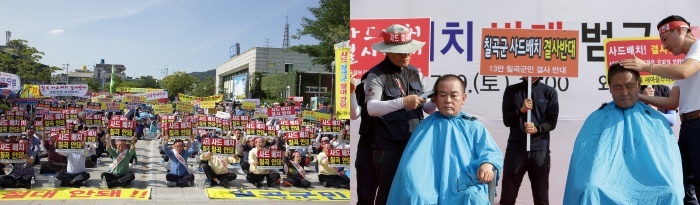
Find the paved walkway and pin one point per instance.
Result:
(150, 172)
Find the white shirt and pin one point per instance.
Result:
(690, 97)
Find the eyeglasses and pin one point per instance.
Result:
(469, 182)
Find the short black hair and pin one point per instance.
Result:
(671, 18)
(448, 77)
(178, 140)
(616, 68)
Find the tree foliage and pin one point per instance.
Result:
(330, 26)
(23, 60)
(205, 87)
(178, 82)
(93, 85)
(147, 82)
(257, 92)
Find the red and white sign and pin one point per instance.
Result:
(155, 95)
(54, 121)
(290, 125)
(12, 127)
(90, 136)
(63, 90)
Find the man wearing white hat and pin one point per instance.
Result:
(392, 96)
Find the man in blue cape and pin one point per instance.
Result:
(625, 152)
(450, 156)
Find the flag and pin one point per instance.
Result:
(111, 82)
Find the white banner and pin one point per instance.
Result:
(223, 115)
(455, 48)
(12, 80)
(155, 95)
(63, 90)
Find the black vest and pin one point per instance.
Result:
(393, 130)
(366, 124)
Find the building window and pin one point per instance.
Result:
(288, 67)
(314, 90)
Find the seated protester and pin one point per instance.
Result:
(216, 169)
(75, 174)
(255, 176)
(22, 173)
(118, 173)
(34, 144)
(625, 152)
(295, 172)
(450, 156)
(91, 155)
(179, 174)
(246, 147)
(330, 176)
(56, 162)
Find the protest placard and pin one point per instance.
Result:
(298, 140)
(269, 159)
(72, 142)
(13, 152)
(178, 130)
(331, 127)
(339, 157)
(121, 129)
(218, 146)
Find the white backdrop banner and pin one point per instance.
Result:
(63, 90)
(454, 47)
(12, 80)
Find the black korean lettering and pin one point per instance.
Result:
(603, 83)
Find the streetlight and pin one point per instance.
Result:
(288, 92)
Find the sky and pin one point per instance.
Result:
(148, 36)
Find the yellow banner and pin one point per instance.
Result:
(293, 195)
(207, 104)
(184, 107)
(136, 90)
(188, 98)
(248, 105)
(316, 116)
(30, 91)
(342, 85)
(162, 109)
(75, 193)
(113, 106)
(135, 99)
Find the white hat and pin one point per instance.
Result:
(397, 39)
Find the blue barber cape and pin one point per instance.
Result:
(440, 162)
(625, 156)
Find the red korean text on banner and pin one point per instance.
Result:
(365, 32)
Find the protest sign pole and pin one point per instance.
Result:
(529, 112)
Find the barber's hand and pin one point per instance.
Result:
(635, 63)
(527, 105)
(530, 128)
(412, 102)
(485, 173)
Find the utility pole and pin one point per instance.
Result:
(66, 65)
(164, 71)
(285, 41)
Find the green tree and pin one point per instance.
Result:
(23, 60)
(93, 85)
(204, 88)
(330, 26)
(147, 82)
(178, 82)
(257, 92)
(118, 82)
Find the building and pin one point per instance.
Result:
(236, 73)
